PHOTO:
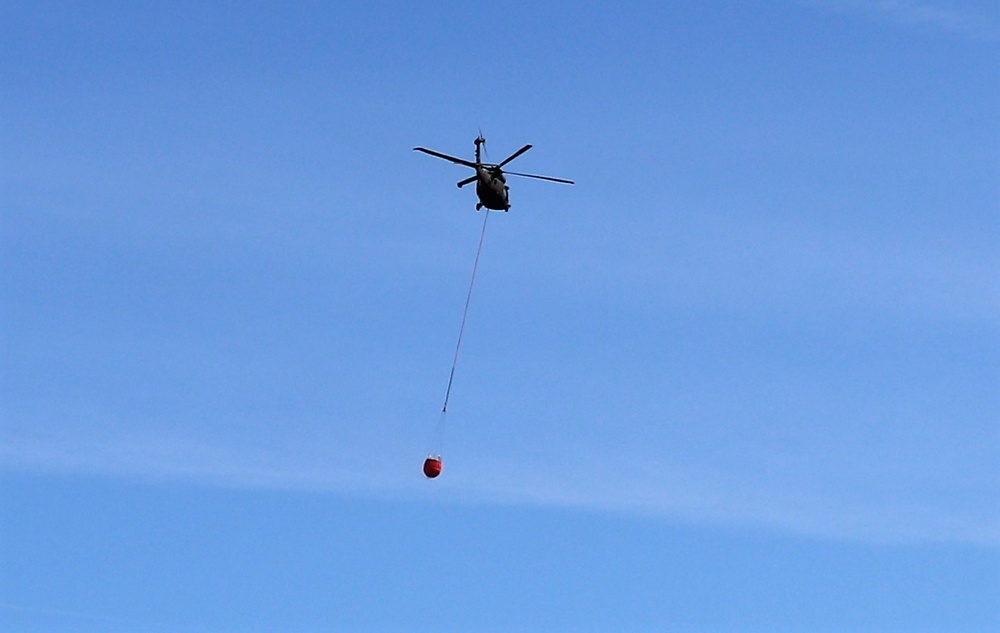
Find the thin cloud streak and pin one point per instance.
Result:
(722, 262)
(651, 489)
(961, 21)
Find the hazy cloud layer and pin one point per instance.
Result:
(611, 482)
(977, 21)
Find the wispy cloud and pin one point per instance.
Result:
(158, 457)
(641, 487)
(966, 20)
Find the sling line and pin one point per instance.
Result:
(465, 314)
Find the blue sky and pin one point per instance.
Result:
(742, 377)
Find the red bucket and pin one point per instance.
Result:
(433, 467)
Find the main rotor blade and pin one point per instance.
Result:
(515, 155)
(468, 181)
(562, 180)
(458, 161)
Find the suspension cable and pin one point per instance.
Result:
(465, 314)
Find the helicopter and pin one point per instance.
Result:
(491, 183)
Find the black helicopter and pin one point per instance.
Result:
(491, 185)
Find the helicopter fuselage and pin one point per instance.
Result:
(492, 189)
(491, 184)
